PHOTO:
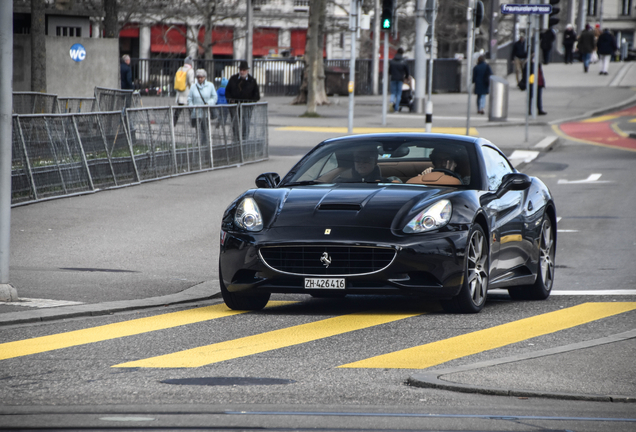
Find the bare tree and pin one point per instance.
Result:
(111, 24)
(312, 89)
(38, 47)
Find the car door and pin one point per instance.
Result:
(506, 217)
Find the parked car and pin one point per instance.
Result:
(440, 216)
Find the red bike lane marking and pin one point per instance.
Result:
(600, 131)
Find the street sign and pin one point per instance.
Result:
(77, 52)
(526, 9)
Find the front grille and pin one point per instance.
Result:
(344, 260)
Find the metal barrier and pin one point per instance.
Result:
(64, 154)
(35, 103)
(77, 105)
(108, 99)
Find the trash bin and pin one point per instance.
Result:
(336, 81)
(498, 104)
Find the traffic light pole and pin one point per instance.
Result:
(353, 26)
(469, 58)
(385, 77)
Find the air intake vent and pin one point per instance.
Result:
(340, 206)
(343, 260)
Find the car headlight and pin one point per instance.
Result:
(248, 215)
(432, 217)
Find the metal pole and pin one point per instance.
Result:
(527, 66)
(420, 58)
(535, 59)
(469, 58)
(385, 78)
(353, 19)
(376, 46)
(249, 34)
(7, 292)
(492, 33)
(429, 100)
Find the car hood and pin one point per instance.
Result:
(343, 205)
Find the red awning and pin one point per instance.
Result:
(129, 31)
(298, 42)
(222, 40)
(168, 39)
(264, 40)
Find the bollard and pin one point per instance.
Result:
(429, 115)
(498, 106)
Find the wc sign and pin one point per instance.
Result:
(78, 52)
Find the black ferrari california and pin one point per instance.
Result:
(440, 216)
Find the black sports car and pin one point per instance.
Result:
(433, 215)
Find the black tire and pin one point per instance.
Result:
(542, 287)
(472, 296)
(240, 301)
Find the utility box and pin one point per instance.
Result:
(498, 104)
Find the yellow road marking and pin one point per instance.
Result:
(435, 353)
(600, 119)
(112, 331)
(272, 340)
(365, 130)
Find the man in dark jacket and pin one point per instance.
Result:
(398, 70)
(569, 38)
(519, 55)
(547, 42)
(586, 46)
(126, 73)
(605, 47)
(242, 88)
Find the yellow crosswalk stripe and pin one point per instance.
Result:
(435, 353)
(272, 340)
(364, 130)
(600, 119)
(112, 331)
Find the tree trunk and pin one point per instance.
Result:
(111, 24)
(312, 89)
(38, 47)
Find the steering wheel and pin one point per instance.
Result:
(449, 173)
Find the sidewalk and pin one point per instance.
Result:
(121, 242)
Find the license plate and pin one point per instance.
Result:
(324, 283)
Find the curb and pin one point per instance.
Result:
(433, 379)
(202, 291)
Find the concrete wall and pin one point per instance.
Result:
(65, 77)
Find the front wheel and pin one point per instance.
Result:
(241, 301)
(542, 287)
(472, 296)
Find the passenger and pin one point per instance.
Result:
(443, 171)
(365, 169)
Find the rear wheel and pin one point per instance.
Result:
(472, 296)
(542, 287)
(242, 301)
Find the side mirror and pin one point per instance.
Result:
(513, 181)
(267, 180)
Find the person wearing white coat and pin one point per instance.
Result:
(201, 93)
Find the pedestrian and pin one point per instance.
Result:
(605, 47)
(201, 93)
(519, 55)
(126, 73)
(242, 88)
(541, 86)
(220, 92)
(547, 42)
(481, 79)
(398, 71)
(586, 45)
(182, 95)
(569, 38)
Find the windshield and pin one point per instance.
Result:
(385, 160)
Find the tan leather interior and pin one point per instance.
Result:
(435, 178)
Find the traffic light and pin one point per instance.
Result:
(552, 18)
(479, 13)
(387, 15)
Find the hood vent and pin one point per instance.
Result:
(340, 206)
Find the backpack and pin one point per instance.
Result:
(180, 80)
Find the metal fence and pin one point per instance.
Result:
(35, 103)
(283, 77)
(77, 105)
(65, 154)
